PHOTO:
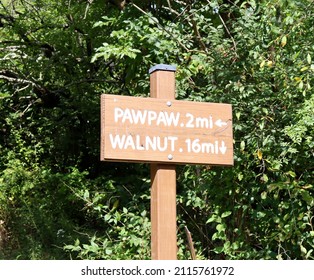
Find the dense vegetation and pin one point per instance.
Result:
(58, 201)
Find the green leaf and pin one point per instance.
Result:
(283, 41)
(307, 197)
(260, 215)
(309, 59)
(242, 145)
(218, 250)
(303, 249)
(221, 227)
(265, 178)
(291, 174)
(108, 251)
(213, 218)
(240, 176)
(263, 195)
(226, 214)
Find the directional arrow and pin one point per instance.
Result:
(220, 123)
(223, 147)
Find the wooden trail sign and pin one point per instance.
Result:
(165, 132)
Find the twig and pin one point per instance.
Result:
(18, 80)
(227, 29)
(233, 41)
(190, 243)
(197, 34)
(197, 225)
(160, 26)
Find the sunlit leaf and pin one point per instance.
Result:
(309, 59)
(259, 154)
(283, 41)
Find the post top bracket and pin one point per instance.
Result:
(162, 67)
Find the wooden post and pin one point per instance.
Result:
(165, 132)
(163, 179)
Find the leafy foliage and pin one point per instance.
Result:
(58, 201)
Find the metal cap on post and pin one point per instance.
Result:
(162, 67)
(163, 178)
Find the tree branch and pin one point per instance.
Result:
(13, 78)
(233, 41)
(160, 26)
(197, 34)
(227, 29)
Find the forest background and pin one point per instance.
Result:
(58, 201)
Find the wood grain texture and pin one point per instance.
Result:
(163, 184)
(163, 212)
(191, 132)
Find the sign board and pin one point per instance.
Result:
(137, 129)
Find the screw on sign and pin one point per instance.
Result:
(164, 132)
